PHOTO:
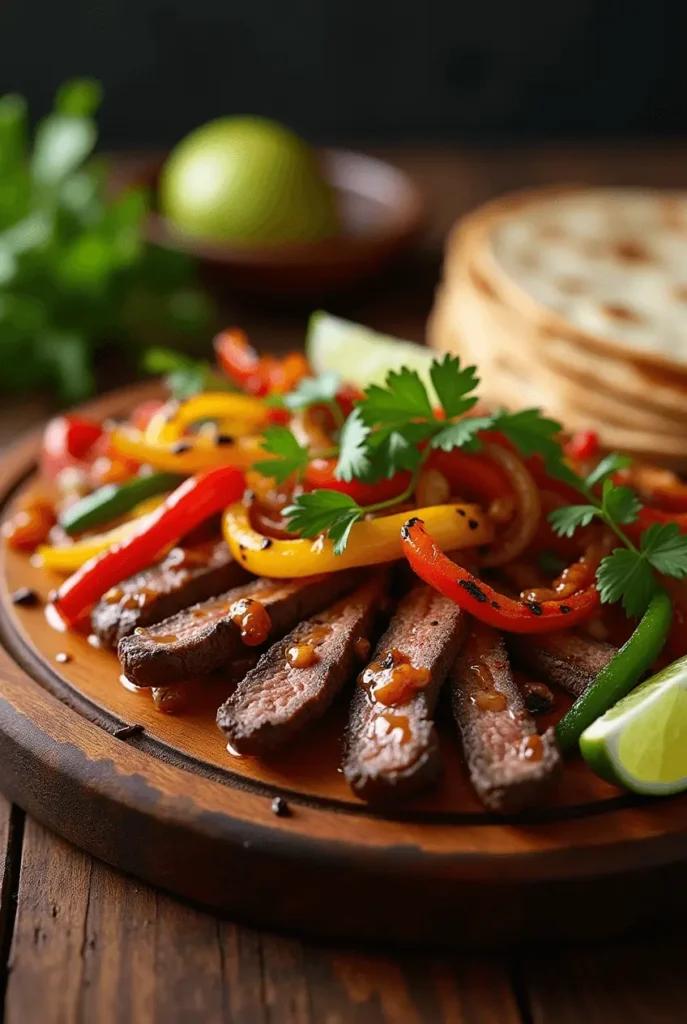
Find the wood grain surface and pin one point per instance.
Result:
(126, 953)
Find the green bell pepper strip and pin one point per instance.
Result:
(115, 500)
(622, 672)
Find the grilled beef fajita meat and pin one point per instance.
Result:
(296, 680)
(570, 660)
(392, 748)
(184, 577)
(510, 765)
(213, 633)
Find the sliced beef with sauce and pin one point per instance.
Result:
(570, 660)
(184, 577)
(510, 765)
(213, 633)
(296, 680)
(392, 748)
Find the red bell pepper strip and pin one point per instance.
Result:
(68, 441)
(471, 474)
(258, 375)
(194, 501)
(476, 597)
(320, 475)
(583, 445)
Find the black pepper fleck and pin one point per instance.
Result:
(280, 807)
(434, 622)
(461, 511)
(128, 730)
(473, 524)
(565, 608)
(538, 704)
(473, 590)
(25, 596)
(224, 439)
(535, 608)
(407, 525)
(265, 543)
(495, 604)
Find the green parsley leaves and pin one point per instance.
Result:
(323, 512)
(627, 574)
(289, 458)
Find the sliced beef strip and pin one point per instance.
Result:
(393, 750)
(184, 577)
(277, 700)
(570, 660)
(202, 638)
(510, 766)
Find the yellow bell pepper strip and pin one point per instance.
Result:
(370, 542)
(247, 415)
(190, 455)
(70, 557)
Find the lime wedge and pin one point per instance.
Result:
(360, 355)
(641, 743)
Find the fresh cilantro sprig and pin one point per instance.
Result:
(289, 457)
(311, 391)
(627, 574)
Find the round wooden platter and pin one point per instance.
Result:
(167, 802)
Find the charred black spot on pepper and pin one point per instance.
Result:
(224, 439)
(407, 525)
(461, 511)
(535, 608)
(473, 590)
(25, 596)
(495, 604)
(265, 543)
(280, 807)
(180, 447)
(565, 608)
(473, 524)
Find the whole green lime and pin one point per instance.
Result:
(246, 179)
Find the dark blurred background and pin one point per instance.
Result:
(367, 71)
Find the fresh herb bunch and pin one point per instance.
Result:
(395, 427)
(628, 573)
(75, 269)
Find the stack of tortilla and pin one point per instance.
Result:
(575, 300)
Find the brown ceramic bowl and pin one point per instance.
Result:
(381, 211)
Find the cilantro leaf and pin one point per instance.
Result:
(665, 548)
(404, 397)
(461, 434)
(452, 384)
(534, 434)
(393, 450)
(608, 465)
(620, 504)
(290, 458)
(626, 576)
(566, 520)
(354, 460)
(314, 391)
(325, 511)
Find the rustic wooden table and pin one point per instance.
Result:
(80, 942)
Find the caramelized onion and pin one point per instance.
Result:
(521, 533)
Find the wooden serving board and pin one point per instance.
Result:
(170, 804)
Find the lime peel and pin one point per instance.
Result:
(641, 743)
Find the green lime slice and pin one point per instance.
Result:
(360, 355)
(641, 743)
